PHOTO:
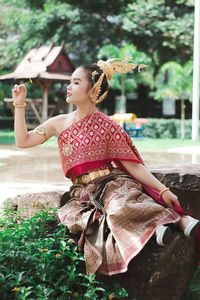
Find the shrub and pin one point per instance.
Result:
(167, 128)
(38, 261)
(193, 292)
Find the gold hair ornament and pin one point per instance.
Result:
(110, 67)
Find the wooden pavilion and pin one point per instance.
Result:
(46, 65)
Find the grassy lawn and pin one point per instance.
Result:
(7, 137)
(144, 145)
(159, 145)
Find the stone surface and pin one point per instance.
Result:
(184, 181)
(184, 177)
(159, 273)
(30, 203)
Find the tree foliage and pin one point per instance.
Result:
(83, 27)
(174, 81)
(162, 29)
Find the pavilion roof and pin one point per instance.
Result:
(46, 62)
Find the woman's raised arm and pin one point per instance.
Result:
(23, 137)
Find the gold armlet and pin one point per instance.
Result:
(40, 131)
(19, 105)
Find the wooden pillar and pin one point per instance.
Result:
(45, 86)
(196, 73)
(182, 119)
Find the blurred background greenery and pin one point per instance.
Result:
(157, 33)
(161, 29)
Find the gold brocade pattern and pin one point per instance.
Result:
(103, 140)
(114, 224)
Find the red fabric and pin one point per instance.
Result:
(96, 141)
(103, 140)
(177, 208)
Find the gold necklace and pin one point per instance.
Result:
(68, 147)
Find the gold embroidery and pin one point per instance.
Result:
(99, 143)
(68, 148)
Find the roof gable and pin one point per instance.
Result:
(39, 61)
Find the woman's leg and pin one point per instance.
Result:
(188, 225)
(163, 235)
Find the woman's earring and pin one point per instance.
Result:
(93, 75)
(94, 95)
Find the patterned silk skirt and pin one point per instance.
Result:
(113, 219)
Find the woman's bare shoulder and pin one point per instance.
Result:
(61, 122)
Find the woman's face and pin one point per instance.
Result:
(78, 91)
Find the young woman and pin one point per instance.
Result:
(115, 204)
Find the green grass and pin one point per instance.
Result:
(143, 145)
(7, 137)
(159, 145)
(149, 144)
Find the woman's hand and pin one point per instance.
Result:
(170, 199)
(19, 94)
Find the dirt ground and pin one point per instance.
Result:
(39, 169)
(30, 170)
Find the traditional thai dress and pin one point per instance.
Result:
(114, 216)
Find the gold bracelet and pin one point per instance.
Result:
(19, 105)
(161, 192)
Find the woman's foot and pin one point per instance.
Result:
(188, 225)
(163, 235)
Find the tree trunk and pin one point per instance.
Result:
(45, 86)
(121, 104)
(182, 119)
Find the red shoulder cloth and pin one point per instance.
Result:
(96, 139)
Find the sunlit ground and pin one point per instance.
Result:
(38, 169)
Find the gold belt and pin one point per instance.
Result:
(87, 178)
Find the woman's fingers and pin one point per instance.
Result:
(19, 86)
(19, 89)
(19, 93)
(171, 199)
(169, 204)
(176, 201)
(16, 88)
